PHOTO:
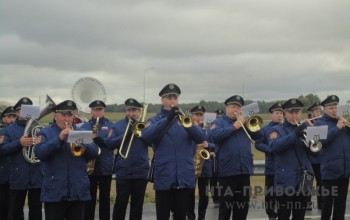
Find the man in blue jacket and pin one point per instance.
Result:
(335, 161)
(131, 167)
(172, 144)
(235, 161)
(66, 186)
(262, 145)
(291, 158)
(101, 171)
(8, 117)
(25, 177)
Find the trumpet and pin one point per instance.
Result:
(254, 124)
(313, 145)
(346, 122)
(76, 149)
(137, 128)
(185, 120)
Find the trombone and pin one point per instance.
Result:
(254, 124)
(137, 128)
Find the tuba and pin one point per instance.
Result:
(32, 128)
(91, 163)
(137, 128)
(200, 156)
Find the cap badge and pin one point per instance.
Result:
(98, 102)
(69, 103)
(333, 97)
(131, 101)
(171, 86)
(237, 97)
(293, 101)
(25, 100)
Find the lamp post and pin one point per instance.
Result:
(244, 77)
(144, 82)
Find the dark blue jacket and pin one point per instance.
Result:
(287, 169)
(174, 166)
(65, 176)
(335, 153)
(104, 161)
(136, 165)
(4, 162)
(23, 175)
(262, 145)
(233, 148)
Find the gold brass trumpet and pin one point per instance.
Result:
(346, 122)
(137, 128)
(76, 149)
(200, 156)
(185, 120)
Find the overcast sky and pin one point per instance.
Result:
(266, 49)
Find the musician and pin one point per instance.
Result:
(25, 178)
(131, 172)
(262, 145)
(287, 147)
(101, 175)
(214, 178)
(66, 185)
(315, 111)
(197, 114)
(8, 117)
(335, 166)
(235, 161)
(172, 143)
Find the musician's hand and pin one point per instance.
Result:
(132, 121)
(26, 141)
(300, 130)
(255, 135)
(205, 144)
(239, 122)
(309, 122)
(173, 112)
(64, 134)
(341, 123)
(99, 141)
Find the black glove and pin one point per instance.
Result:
(99, 142)
(300, 130)
(132, 121)
(173, 112)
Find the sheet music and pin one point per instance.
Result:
(80, 137)
(249, 110)
(317, 132)
(343, 110)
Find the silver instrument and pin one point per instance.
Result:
(32, 128)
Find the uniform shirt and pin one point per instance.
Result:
(335, 153)
(104, 161)
(262, 145)
(4, 161)
(232, 148)
(23, 175)
(136, 165)
(65, 175)
(288, 172)
(174, 165)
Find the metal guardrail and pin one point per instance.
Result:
(259, 167)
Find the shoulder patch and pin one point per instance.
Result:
(2, 139)
(273, 135)
(212, 126)
(38, 139)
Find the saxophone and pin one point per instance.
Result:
(200, 156)
(90, 166)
